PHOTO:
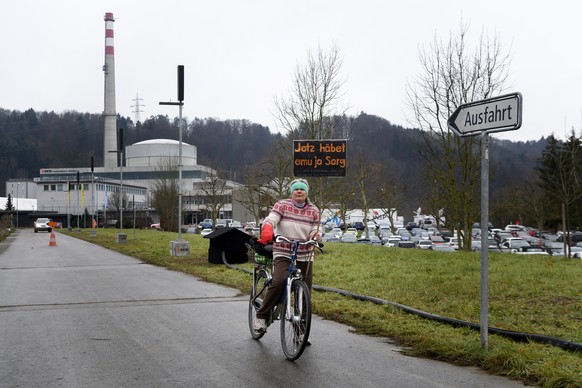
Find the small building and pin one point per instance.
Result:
(228, 241)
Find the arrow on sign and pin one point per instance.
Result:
(497, 114)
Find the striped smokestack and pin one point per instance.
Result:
(109, 113)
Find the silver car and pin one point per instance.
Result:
(42, 224)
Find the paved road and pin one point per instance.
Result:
(78, 315)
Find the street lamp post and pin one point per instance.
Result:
(17, 195)
(78, 203)
(179, 248)
(121, 237)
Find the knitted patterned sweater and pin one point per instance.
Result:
(295, 223)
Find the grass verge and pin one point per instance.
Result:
(533, 294)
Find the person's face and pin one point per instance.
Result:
(299, 195)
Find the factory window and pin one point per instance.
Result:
(60, 187)
(46, 187)
(53, 187)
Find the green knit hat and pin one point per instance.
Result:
(299, 184)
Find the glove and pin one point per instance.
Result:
(266, 234)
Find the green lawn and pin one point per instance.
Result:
(533, 294)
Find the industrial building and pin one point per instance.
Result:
(89, 190)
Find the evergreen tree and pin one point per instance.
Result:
(9, 207)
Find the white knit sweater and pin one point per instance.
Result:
(295, 223)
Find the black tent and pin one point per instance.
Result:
(231, 241)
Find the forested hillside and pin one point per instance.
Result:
(32, 140)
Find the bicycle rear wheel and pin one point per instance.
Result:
(258, 293)
(296, 323)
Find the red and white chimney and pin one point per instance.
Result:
(109, 112)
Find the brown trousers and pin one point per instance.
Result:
(280, 270)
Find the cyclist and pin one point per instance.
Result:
(297, 219)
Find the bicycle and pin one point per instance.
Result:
(294, 307)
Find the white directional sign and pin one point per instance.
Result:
(497, 114)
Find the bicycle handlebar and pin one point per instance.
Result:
(315, 243)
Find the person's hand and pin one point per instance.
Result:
(316, 237)
(267, 234)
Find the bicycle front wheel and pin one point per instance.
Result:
(258, 293)
(296, 321)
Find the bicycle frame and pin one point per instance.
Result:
(293, 274)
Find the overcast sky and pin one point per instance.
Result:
(239, 54)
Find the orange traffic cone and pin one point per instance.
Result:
(53, 240)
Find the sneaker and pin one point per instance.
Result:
(260, 325)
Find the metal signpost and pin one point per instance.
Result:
(503, 113)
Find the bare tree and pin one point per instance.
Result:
(214, 189)
(389, 197)
(312, 109)
(275, 170)
(118, 201)
(560, 172)
(314, 97)
(164, 195)
(254, 196)
(453, 75)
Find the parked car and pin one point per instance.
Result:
(424, 244)
(442, 248)
(392, 241)
(348, 238)
(43, 225)
(384, 232)
(411, 225)
(207, 223)
(532, 240)
(353, 231)
(375, 240)
(359, 225)
(329, 237)
(513, 243)
(205, 231)
(514, 227)
(372, 240)
(337, 232)
(454, 242)
(446, 234)
(406, 244)
(223, 222)
(531, 250)
(191, 230)
(436, 239)
(501, 236)
(427, 223)
(491, 245)
(575, 252)
(236, 224)
(364, 240)
(574, 238)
